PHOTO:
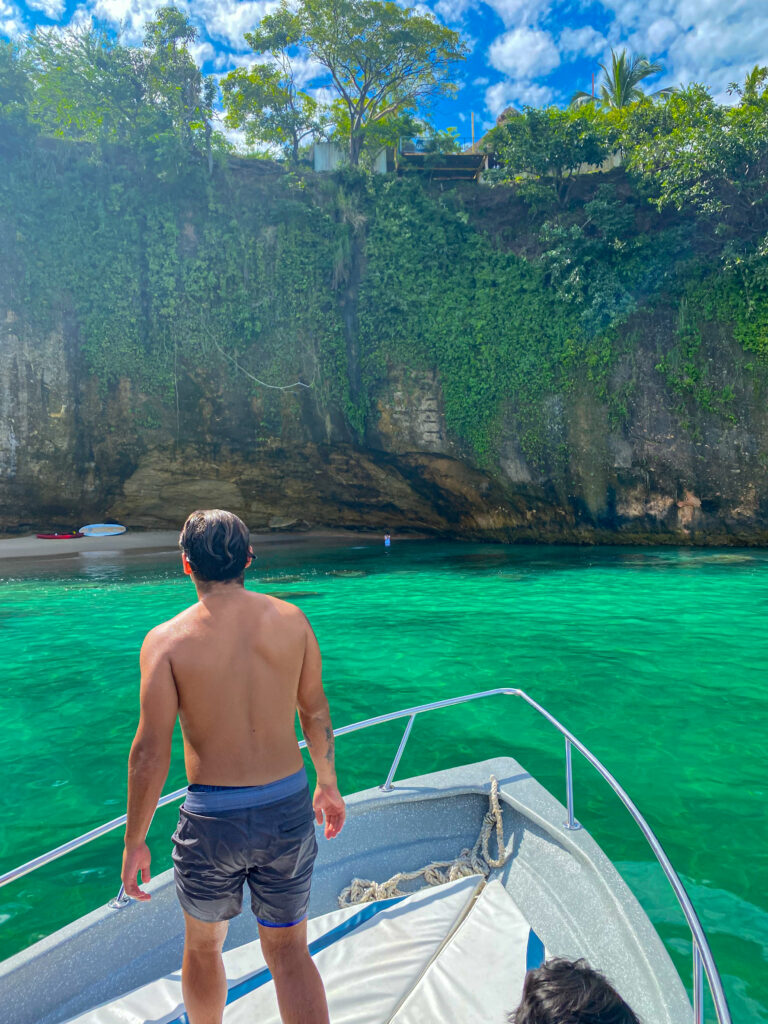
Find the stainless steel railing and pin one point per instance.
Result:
(703, 961)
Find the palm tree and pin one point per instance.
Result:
(754, 91)
(619, 87)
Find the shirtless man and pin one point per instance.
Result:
(235, 667)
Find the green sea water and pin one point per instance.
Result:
(655, 658)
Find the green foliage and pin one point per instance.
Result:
(179, 273)
(754, 91)
(436, 295)
(386, 131)
(15, 86)
(686, 373)
(551, 145)
(85, 85)
(696, 154)
(383, 59)
(739, 297)
(264, 100)
(446, 141)
(601, 264)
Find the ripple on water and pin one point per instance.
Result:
(654, 658)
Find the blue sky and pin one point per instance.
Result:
(522, 51)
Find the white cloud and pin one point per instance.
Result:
(50, 8)
(517, 12)
(223, 20)
(452, 11)
(524, 53)
(11, 21)
(130, 15)
(323, 94)
(306, 70)
(481, 81)
(202, 52)
(697, 40)
(585, 41)
(229, 20)
(660, 33)
(516, 93)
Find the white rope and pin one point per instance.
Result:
(477, 861)
(242, 369)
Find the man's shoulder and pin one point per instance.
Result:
(166, 634)
(286, 618)
(286, 610)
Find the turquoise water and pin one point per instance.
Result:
(654, 658)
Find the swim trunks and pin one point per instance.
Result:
(262, 835)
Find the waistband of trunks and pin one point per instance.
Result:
(202, 799)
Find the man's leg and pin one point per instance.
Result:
(300, 992)
(203, 981)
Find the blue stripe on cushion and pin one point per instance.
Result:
(262, 976)
(534, 954)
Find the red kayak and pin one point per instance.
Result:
(58, 536)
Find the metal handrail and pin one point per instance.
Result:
(703, 961)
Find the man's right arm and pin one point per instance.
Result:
(315, 719)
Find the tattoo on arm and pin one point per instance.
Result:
(329, 742)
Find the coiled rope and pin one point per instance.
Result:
(477, 861)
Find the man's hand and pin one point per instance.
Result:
(136, 859)
(329, 802)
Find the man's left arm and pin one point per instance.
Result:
(149, 759)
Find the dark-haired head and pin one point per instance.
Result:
(216, 545)
(570, 992)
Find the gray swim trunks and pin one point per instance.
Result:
(262, 835)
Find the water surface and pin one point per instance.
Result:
(653, 657)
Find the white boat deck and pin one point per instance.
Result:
(455, 952)
(556, 881)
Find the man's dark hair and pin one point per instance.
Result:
(570, 992)
(217, 545)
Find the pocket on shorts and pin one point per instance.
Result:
(297, 819)
(296, 828)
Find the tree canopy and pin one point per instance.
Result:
(382, 60)
(551, 144)
(86, 85)
(264, 100)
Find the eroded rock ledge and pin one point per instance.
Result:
(70, 453)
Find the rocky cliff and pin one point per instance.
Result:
(71, 453)
(77, 445)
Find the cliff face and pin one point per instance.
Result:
(465, 380)
(73, 452)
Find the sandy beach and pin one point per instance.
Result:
(156, 541)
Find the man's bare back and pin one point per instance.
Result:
(237, 661)
(235, 668)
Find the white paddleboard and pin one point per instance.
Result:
(102, 530)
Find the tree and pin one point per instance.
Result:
(701, 155)
(620, 84)
(550, 144)
(15, 86)
(754, 91)
(173, 82)
(382, 59)
(264, 101)
(86, 85)
(386, 132)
